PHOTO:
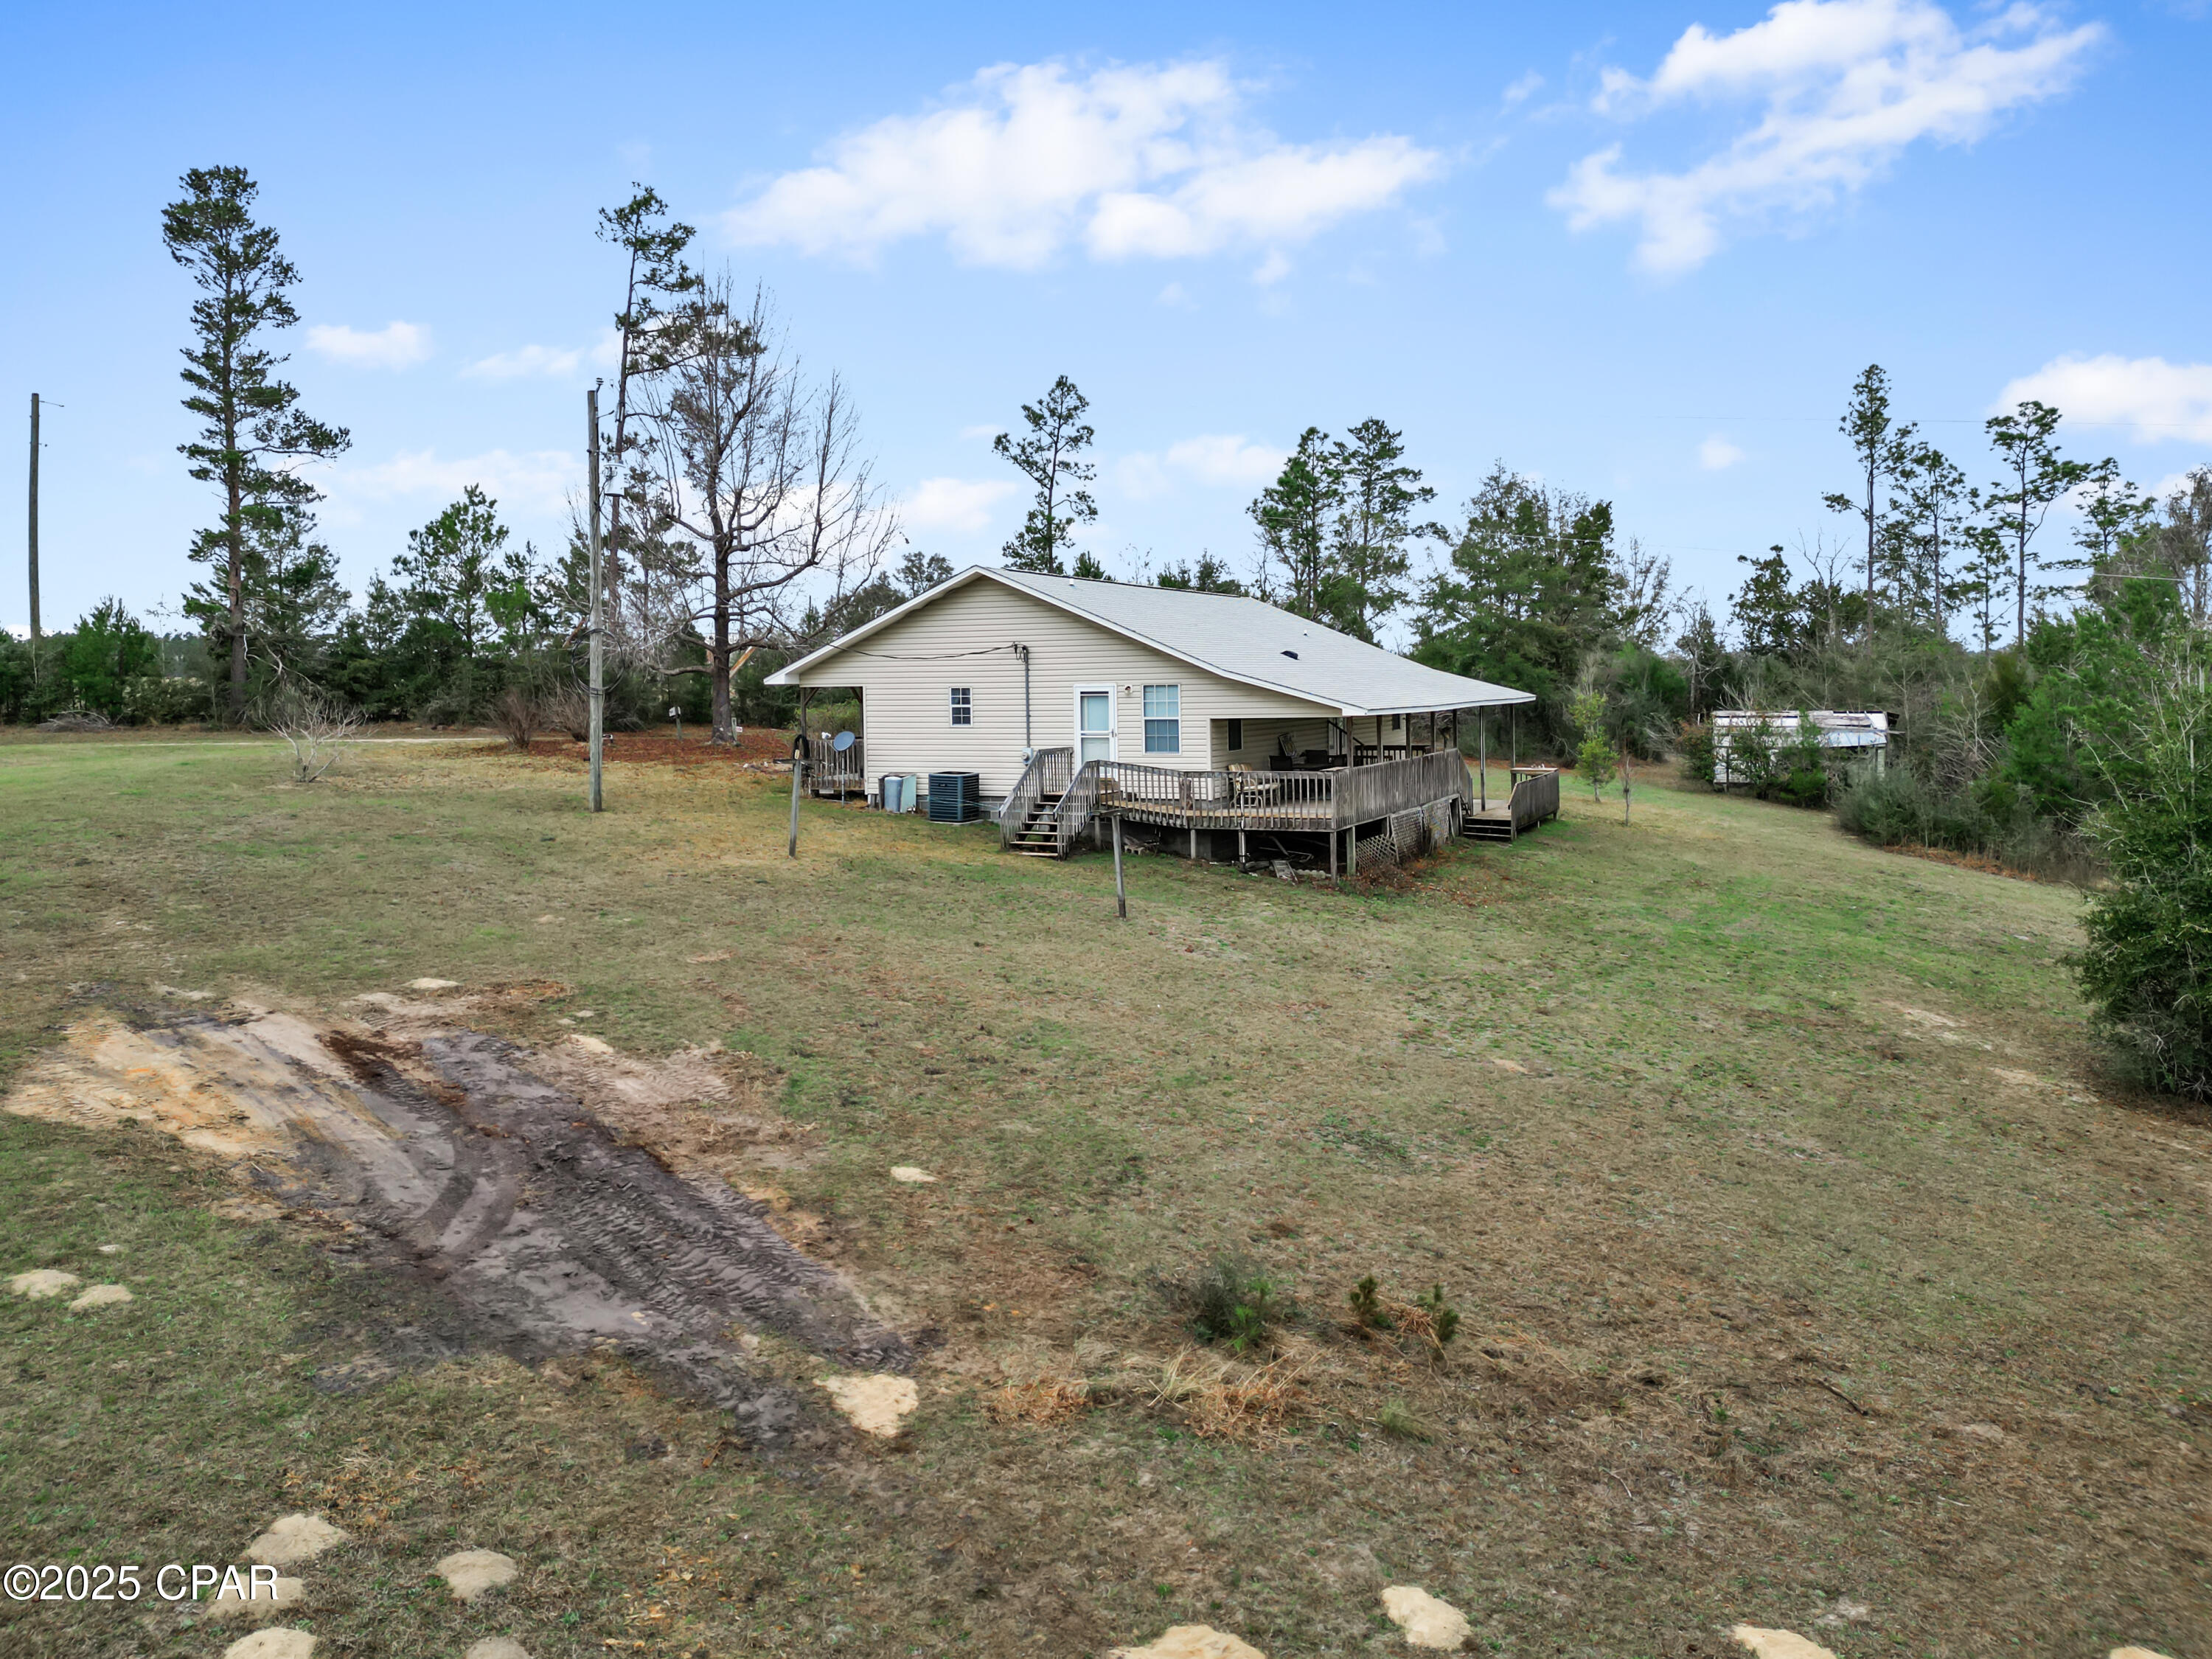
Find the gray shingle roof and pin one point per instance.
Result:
(1236, 638)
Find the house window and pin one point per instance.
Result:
(1236, 733)
(1163, 719)
(964, 710)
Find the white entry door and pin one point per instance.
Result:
(1094, 723)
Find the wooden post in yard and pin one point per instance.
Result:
(798, 773)
(599, 692)
(33, 544)
(1121, 892)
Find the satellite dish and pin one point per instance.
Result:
(843, 741)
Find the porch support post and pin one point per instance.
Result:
(1242, 856)
(1121, 893)
(1332, 848)
(1482, 747)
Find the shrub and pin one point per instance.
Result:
(2147, 969)
(1780, 762)
(159, 700)
(1229, 1300)
(1694, 744)
(1989, 820)
(515, 713)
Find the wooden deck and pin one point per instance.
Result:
(1056, 802)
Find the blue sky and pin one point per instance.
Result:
(1640, 251)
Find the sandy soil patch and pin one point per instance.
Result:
(496, 1647)
(292, 1539)
(273, 1645)
(874, 1405)
(100, 1296)
(1427, 1622)
(911, 1175)
(1778, 1643)
(1192, 1642)
(469, 1573)
(42, 1282)
(250, 1601)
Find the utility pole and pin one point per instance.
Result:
(33, 543)
(598, 658)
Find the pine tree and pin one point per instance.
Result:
(1376, 495)
(2037, 478)
(1293, 515)
(1057, 435)
(1866, 423)
(252, 423)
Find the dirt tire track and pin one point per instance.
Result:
(548, 1233)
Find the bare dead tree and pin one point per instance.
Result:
(315, 726)
(1647, 599)
(764, 479)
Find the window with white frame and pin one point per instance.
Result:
(963, 709)
(1163, 719)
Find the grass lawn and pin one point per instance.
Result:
(1809, 1268)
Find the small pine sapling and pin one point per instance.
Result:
(1444, 1319)
(1367, 1305)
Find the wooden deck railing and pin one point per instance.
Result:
(1368, 793)
(1535, 798)
(1312, 802)
(833, 771)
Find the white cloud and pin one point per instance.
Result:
(1145, 161)
(536, 482)
(552, 362)
(1217, 460)
(1717, 454)
(2158, 399)
(1173, 295)
(1272, 269)
(961, 505)
(1847, 86)
(530, 360)
(986, 430)
(1523, 88)
(393, 346)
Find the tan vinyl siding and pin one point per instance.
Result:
(906, 673)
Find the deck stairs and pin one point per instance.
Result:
(1037, 835)
(1496, 824)
(1533, 800)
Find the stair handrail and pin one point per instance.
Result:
(1077, 803)
(1046, 767)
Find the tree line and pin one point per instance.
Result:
(742, 516)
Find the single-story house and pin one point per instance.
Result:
(1863, 734)
(1039, 684)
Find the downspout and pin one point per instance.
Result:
(1028, 743)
